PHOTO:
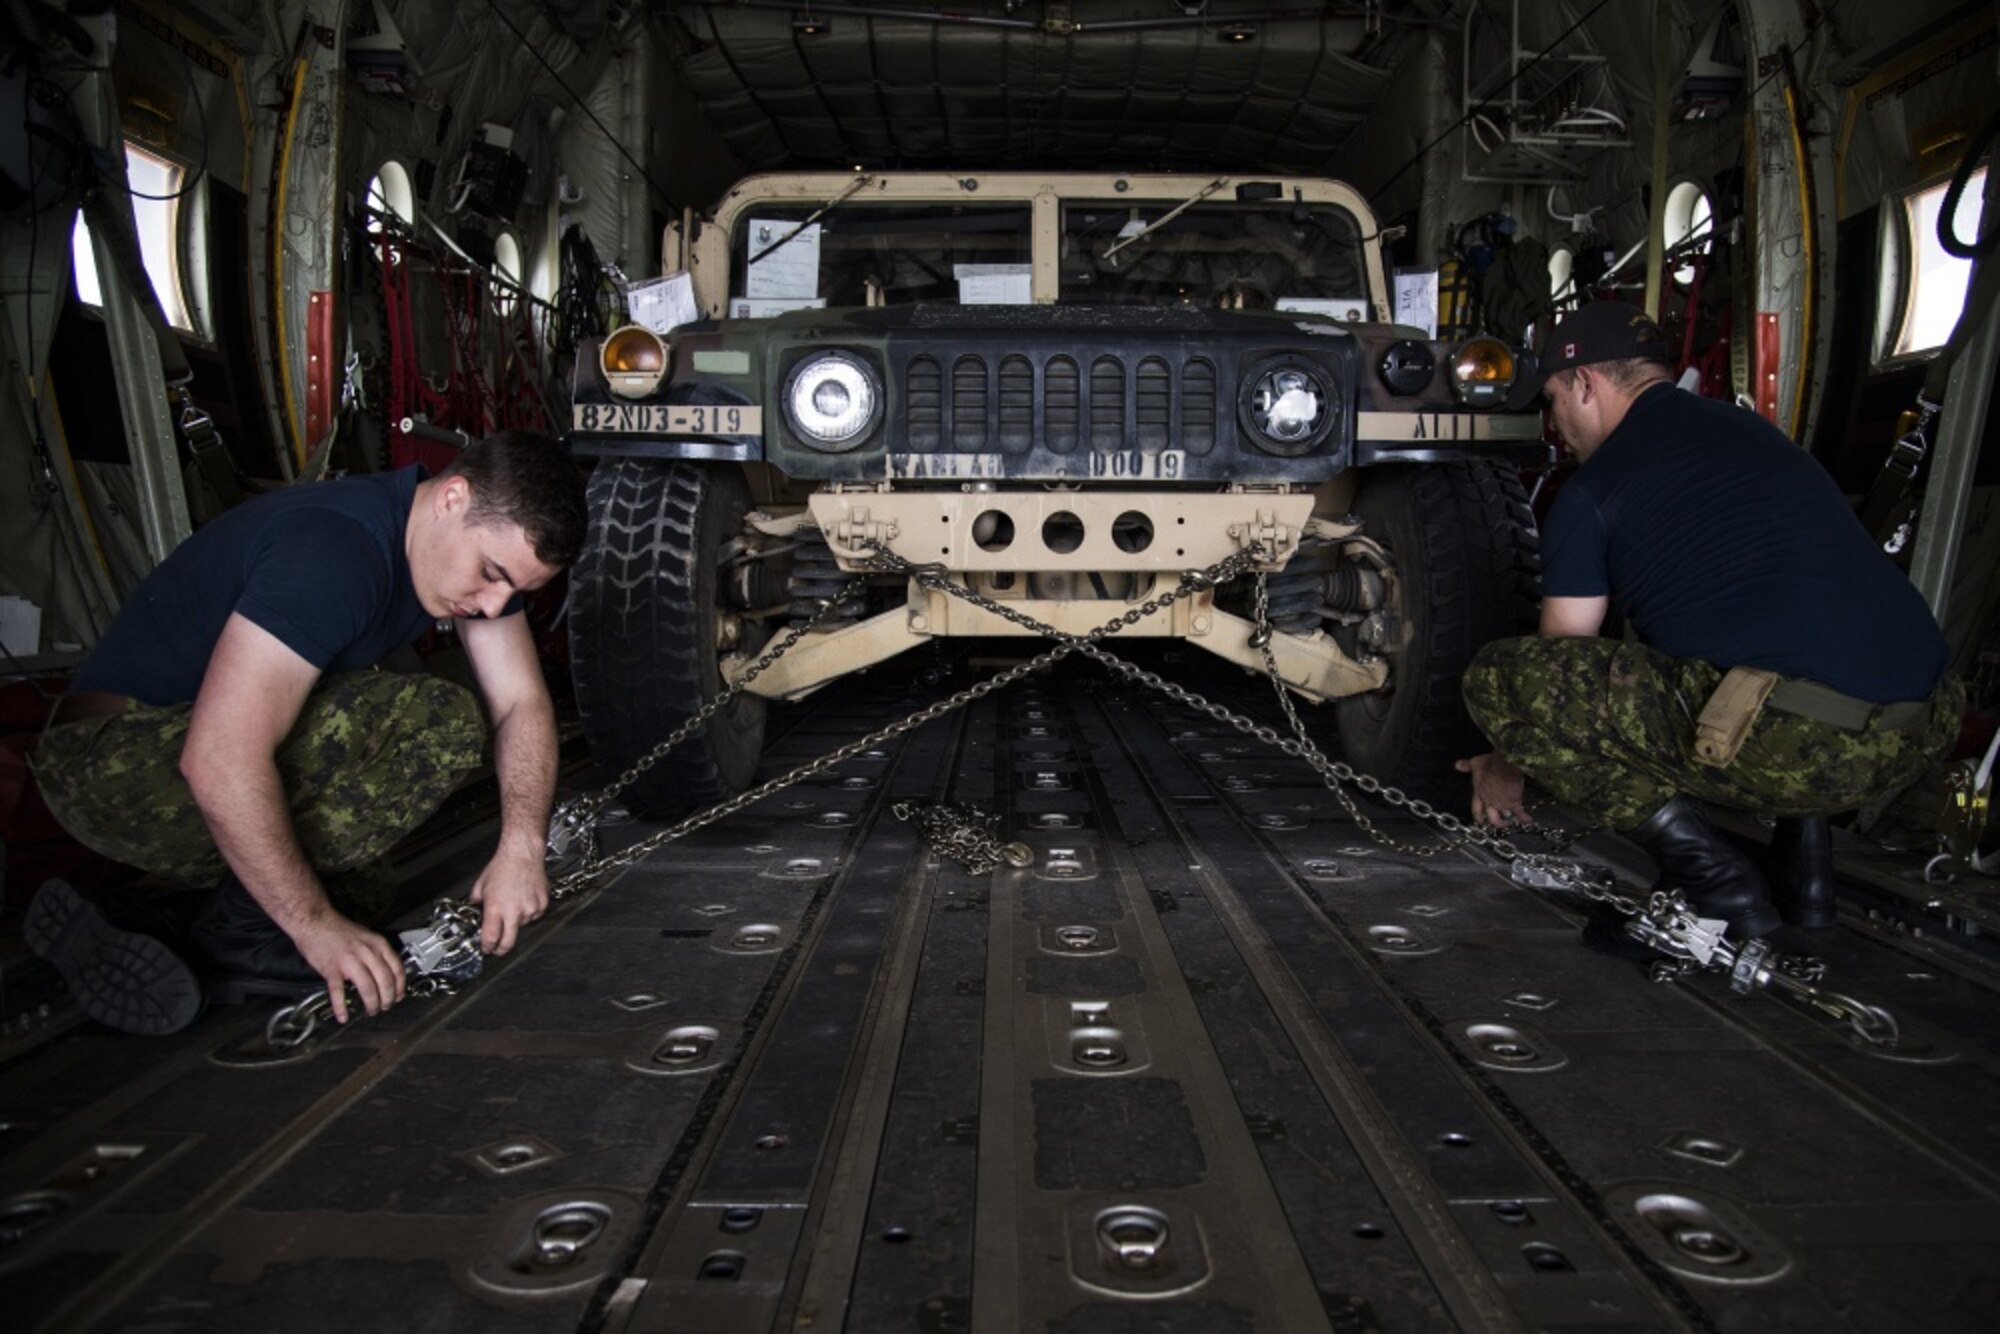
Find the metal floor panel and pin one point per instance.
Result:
(1213, 1061)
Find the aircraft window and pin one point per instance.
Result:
(1561, 264)
(1686, 224)
(1932, 282)
(390, 192)
(507, 266)
(157, 184)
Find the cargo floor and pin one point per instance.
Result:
(1213, 1061)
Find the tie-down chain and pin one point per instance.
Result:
(1662, 920)
(437, 958)
(573, 827)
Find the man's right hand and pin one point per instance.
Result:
(345, 952)
(1499, 790)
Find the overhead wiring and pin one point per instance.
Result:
(577, 100)
(1466, 119)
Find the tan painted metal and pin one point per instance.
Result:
(1012, 530)
(1314, 665)
(832, 654)
(1311, 664)
(1449, 427)
(708, 259)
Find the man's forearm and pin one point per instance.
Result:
(244, 805)
(524, 750)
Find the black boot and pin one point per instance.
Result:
(1709, 871)
(113, 953)
(243, 954)
(1800, 865)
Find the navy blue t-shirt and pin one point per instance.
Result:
(1719, 539)
(319, 566)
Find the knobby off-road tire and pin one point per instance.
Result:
(1467, 570)
(646, 596)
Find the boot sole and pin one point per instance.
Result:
(122, 979)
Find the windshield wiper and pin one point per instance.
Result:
(860, 182)
(1165, 218)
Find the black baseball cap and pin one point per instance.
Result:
(1602, 331)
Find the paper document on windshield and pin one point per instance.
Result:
(663, 304)
(993, 284)
(1350, 309)
(790, 270)
(1417, 300)
(757, 308)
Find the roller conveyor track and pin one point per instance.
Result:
(1214, 1061)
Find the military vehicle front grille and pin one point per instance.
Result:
(1017, 405)
(968, 405)
(1112, 404)
(1062, 405)
(923, 405)
(1107, 404)
(1198, 407)
(1152, 404)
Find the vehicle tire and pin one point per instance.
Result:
(1467, 570)
(646, 621)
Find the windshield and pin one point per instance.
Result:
(1288, 256)
(865, 255)
(1276, 254)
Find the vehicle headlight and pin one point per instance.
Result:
(833, 400)
(1287, 408)
(634, 361)
(1482, 371)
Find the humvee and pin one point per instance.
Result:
(1066, 391)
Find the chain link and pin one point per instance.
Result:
(436, 957)
(1662, 920)
(968, 835)
(574, 815)
(972, 836)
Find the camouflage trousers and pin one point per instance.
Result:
(1609, 728)
(371, 756)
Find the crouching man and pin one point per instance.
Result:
(1784, 665)
(230, 731)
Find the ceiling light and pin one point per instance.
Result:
(809, 24)
(1235, 32)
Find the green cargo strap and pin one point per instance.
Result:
(1810, 699)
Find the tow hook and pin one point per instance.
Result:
(1274, 537)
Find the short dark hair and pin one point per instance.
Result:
(526, 478)
(1625, 372)
(1631, 372)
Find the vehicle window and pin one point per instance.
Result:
(157, 194)
(862, 255)
(1276, 255)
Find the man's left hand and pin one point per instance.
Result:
(512, 891)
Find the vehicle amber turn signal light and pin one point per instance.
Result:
(1482, 372)
(634, 360)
